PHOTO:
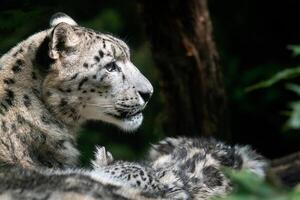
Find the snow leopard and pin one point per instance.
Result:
(57, 79)
(181, 168)
(176, 168)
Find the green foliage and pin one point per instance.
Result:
(295, 49)
(250, 187)
(282, 75)
(285, 74)
(293, 121)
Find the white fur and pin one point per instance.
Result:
(249, 163)
(61, 19)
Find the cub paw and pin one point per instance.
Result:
(102, 158)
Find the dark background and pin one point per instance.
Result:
(251, 36)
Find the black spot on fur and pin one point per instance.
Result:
(48, 93)
(94, 76)
(17, 67)
(103, 77)
(138, 183)
(20, 119)
(1, 111)
(226, 156)
(42, 138)
(97, 59)
(20, 62)
(4, 127)
(113, 50)
(82, 82)
(36, 92)
(63, 102)
(9, 81)
(17, 52)
(68, 90)
(73, 110)
(60, 144)
(4, 107)
(13, 127)
(74, 76)
(33, 76)
(10, 96)
(26, 101)
(92, 90)
(212, 177)
(85, 65)
(45, 119)
(101, 54)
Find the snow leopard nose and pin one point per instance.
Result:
(145, 95)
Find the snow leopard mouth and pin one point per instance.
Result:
(127, 122)
(125, 115)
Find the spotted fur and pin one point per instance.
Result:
(181, 168)
(61, 77)
(177, 168)
(57, 79)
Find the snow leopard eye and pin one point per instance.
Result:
(111, 67)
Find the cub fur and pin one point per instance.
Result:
(177, 168)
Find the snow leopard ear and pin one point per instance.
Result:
(63, 40)
(61, 17)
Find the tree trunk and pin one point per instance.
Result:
(180, 33)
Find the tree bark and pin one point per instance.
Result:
(185, 54)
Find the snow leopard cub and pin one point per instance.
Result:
(132, 174)
(181, 168)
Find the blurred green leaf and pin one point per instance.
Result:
(293, 87)
(251, 187)
(295, 49)
(293, 121)
(282, 75)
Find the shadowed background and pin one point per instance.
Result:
(251, 37)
